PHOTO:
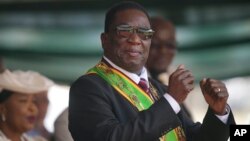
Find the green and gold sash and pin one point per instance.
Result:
(133, 93)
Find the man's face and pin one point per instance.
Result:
(163, 47)
(129, 52)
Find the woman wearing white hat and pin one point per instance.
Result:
(18, 111)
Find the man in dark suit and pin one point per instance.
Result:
(116, 101)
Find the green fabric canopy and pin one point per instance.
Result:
(63, 44)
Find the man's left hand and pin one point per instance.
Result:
(215, 94)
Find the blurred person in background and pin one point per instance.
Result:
(18, 108)
(42, 103)
(162, 52)
(61, 132)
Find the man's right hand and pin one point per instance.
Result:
(181, 82)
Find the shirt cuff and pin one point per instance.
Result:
(173, 103)
(224, 118)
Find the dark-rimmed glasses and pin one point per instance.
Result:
(126, 31)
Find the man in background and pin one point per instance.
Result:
(162, 52)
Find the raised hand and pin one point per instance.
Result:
(181, 82)
(215, 94)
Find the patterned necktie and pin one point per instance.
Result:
(143, 85)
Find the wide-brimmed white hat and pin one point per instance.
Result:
(28, 82)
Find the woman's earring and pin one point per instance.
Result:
(3, 118)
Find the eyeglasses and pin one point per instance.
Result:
(126, 31)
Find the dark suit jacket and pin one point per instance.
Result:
(98, 113)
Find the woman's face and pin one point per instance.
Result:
(20, 112)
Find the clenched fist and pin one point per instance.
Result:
(181, 82)
(215, 94)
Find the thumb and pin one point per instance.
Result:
(181, 66)
(202, 84)
(203, 81)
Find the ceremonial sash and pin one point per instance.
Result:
(133, 93)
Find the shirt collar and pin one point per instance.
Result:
(132, 76)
